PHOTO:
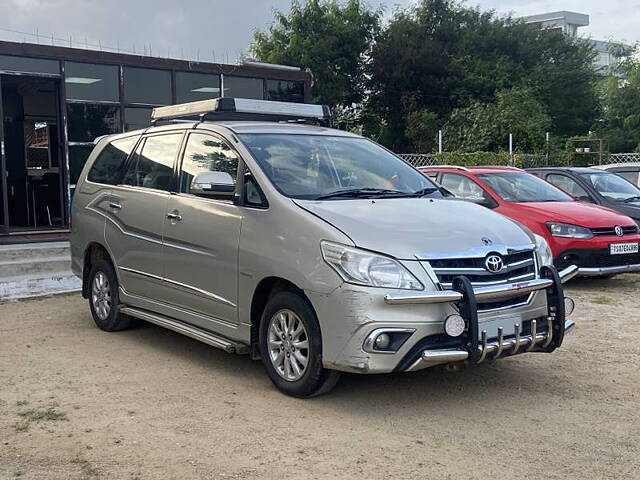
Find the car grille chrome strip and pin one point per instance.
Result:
(481, 293)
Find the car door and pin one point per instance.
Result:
(201, 239)
(569, 185)
(137, 213)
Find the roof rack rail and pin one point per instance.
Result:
(229, 108)
(458, 167)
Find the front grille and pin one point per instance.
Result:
(518, 267)
(630, 230)
(594, 258)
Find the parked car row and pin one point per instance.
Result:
(589, 217)
(313, 249)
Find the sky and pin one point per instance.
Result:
(220, 30)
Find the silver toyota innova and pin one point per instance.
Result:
(313, 249)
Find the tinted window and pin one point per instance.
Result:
(461, 186)
(152, 164)
(191, 87)
(78, 155)
(523, 187)
(87, 122)
(569, 185)
(142, 85)
(32, 65)
(285, 91)
(243, 87)
(108, 165)
(84, 81)
(136, 118)
(311, 166)
(206, 153)
(612, 186)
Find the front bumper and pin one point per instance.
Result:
(594, 262)
(475, 346)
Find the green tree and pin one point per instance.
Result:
(331, 39)
(620, 125)
(486, 126)
(442, 57)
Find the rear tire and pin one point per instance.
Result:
(291, 347)
(104, 300)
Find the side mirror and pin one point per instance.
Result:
(210, 184)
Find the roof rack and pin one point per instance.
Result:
(229, 108)
(505, 167)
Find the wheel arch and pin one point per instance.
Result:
(266, 288)
(94, 253)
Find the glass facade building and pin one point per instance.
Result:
(56, 101)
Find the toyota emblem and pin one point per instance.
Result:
(494, 263)
(618, 230)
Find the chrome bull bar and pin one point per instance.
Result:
(474, 345)
(491, 350)
(481, 293)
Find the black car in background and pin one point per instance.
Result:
(595, 186)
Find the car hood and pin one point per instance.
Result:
(406, 227)
(631, 209)
(575, 213)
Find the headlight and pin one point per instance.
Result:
(366, 268)
(544, 252)
(569, 231)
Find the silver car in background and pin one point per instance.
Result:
(313, 249)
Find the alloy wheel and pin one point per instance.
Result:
(101, 295)
(288, 345)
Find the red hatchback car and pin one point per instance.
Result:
(599, 241)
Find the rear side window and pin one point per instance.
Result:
(108, 166)
(152, 164)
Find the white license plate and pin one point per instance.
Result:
(491, 324)
(622, 248)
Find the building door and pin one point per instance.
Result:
(4, 205)
(32, 158)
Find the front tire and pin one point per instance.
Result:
(104, 300)
(291, 347)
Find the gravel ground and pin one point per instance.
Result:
(148, 403)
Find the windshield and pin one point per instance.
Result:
(325, 167)
(523, 187)
(612, 186)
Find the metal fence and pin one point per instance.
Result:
(521, 160)
(419, 159)
(622, 157)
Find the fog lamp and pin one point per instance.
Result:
(382, 341)
(569, 306)
(454, 325)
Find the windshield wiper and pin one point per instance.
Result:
(362, 193)
(635, 198)
(424, 192)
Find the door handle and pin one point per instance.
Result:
(115, 205)
(174, 216)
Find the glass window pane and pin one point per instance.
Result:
(142, 85)
(461, 186)
(152, 165)
(243, 87)
(78, 155)
(285, 91)
(31, 65)
(206, 153)
(107, 167)
(85, 81)
(136, 118)
(191, 87)
(569, 185)
(87, 122)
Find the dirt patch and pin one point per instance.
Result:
(148, 403)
